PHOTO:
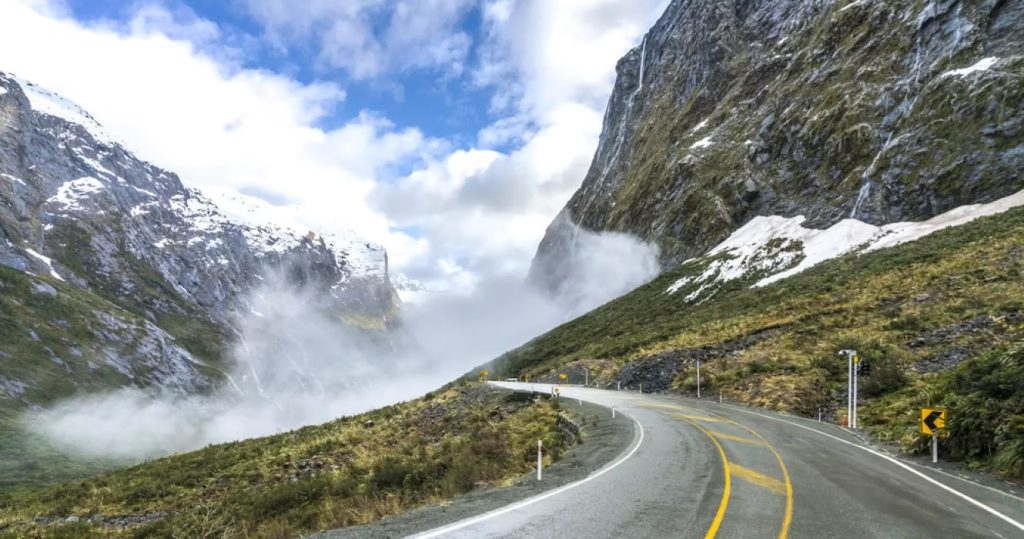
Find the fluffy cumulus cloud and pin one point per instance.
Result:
(181, 91)
(369, 38)
(551, 66)
(212, 122)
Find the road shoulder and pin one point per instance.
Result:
(604, 438)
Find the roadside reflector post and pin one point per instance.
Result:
(698, 378)
(935, 448)
(579, 401)
(618, 385)
(540, 463)
(613, 413)
(641, 388)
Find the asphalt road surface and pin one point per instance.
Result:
(705, 469)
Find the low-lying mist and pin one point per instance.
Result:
(295, 364)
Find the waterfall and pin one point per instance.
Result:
(617, 148)
(865, 190)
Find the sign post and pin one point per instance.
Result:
(933, 420)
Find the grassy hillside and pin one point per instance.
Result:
(350, 471)
(57, 340)
(933, 318)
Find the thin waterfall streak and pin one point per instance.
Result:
(617, 148)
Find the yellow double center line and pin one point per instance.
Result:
(720, 515)
(787, 518)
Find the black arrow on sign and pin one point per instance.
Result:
(930, 420)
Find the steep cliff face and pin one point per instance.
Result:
(127, 272)
(881, 111)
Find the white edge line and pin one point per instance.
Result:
(896, 462)
(965, 480)
(530, 501)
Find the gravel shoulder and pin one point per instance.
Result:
(604, 438)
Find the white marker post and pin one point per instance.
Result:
(540, 446)
(586, 377)
(698, 378)
(613, 413)
(935, 448)
(618, 386)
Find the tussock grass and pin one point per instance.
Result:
(899, 307)
(350, 471)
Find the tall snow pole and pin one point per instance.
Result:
(856, 362)
(851, 387)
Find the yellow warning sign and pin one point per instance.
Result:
(933, 420)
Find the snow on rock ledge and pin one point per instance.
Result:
(772, 248)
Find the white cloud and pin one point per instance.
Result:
(173, 87)
(369, 38)
(211, 122)
(551, 66)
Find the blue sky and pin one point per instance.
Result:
(439, 103)
(450, 131)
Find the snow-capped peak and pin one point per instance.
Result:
(270, 227)
(49, 102)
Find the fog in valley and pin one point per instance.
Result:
(294, 364)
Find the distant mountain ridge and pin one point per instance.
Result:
(730, 110)
(79, 210)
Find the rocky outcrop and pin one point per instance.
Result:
(170, 272)
(881, 111)
(79, 207)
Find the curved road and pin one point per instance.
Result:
(704, 469)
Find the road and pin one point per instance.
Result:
(705, 469)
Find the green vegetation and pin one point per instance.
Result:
(350, 471)
(915, 312)
(985, 400)
(54, 338)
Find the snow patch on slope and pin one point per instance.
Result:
(702, 143)
(70, 195)
(45, 260)
(773, 248)
(47, 102)
(982, 65)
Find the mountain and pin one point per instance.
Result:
(116, 274)
(819, 110)
(937, 317)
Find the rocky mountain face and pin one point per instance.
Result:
(867, 109)
(143, 275)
